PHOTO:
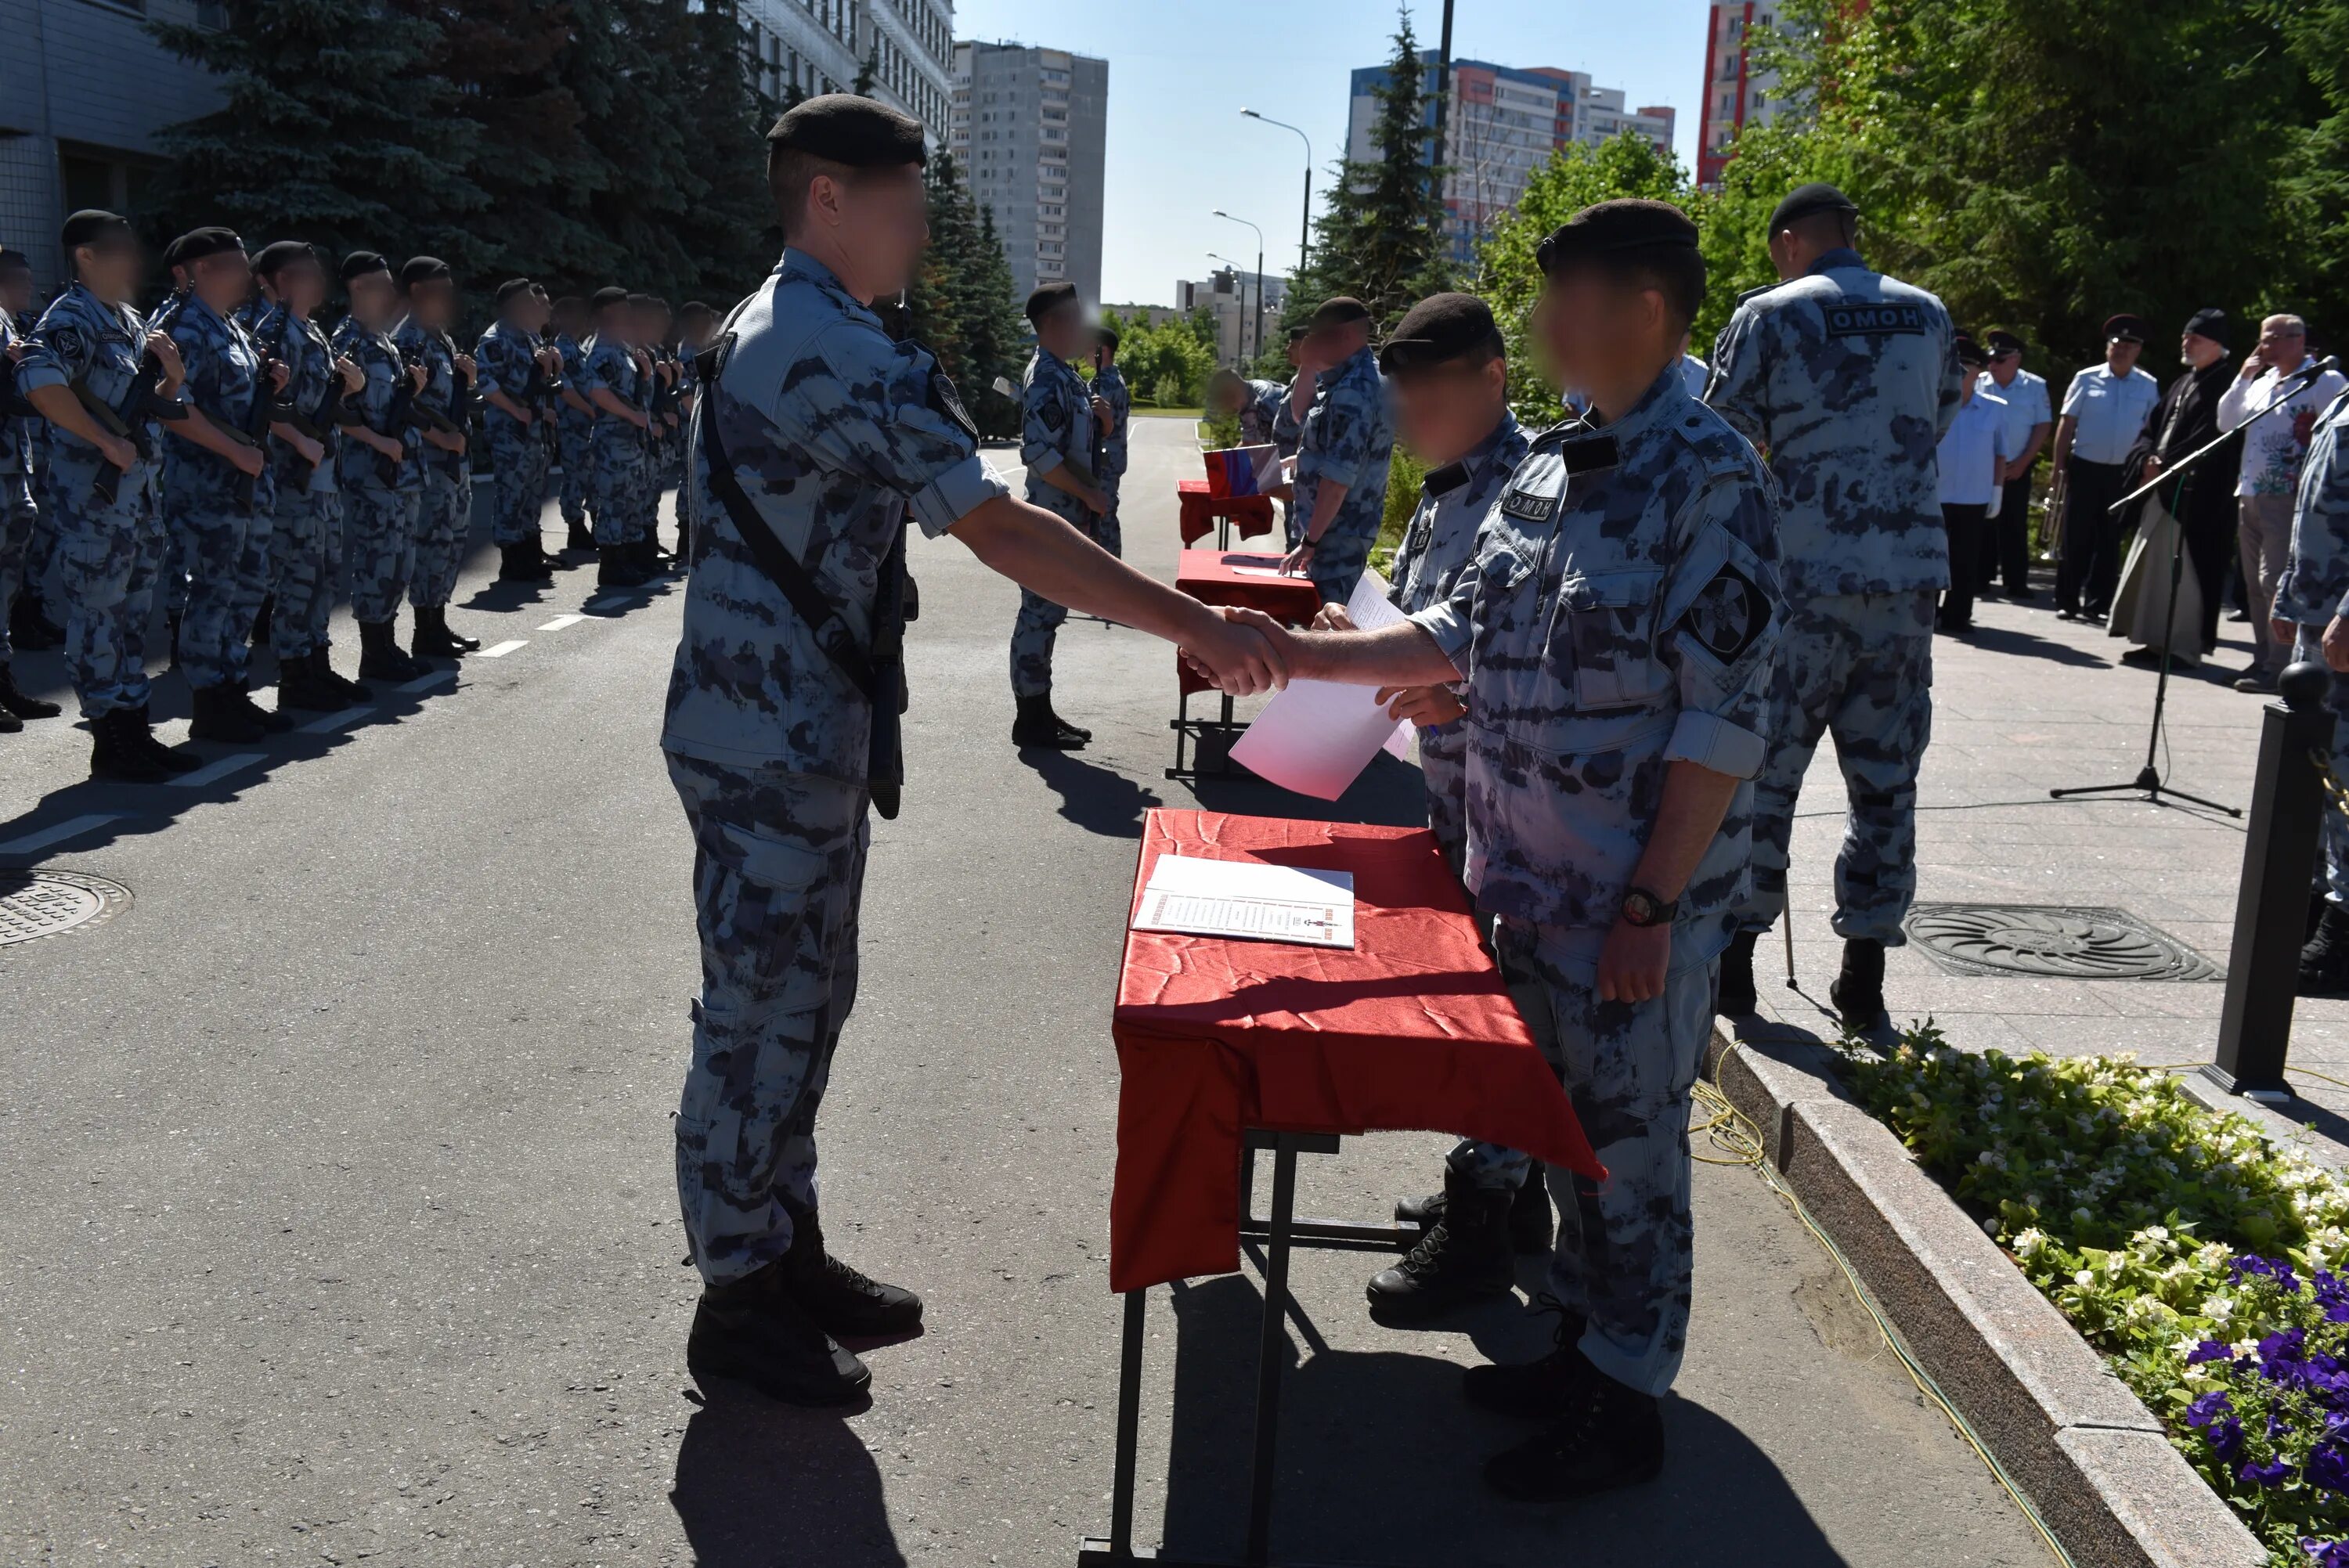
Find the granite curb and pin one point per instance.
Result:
(2083, 1448)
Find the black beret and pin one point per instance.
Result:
(1807, 201)
(1970, 352)
(90, 225)
(1613, 228)
(1441, 328)
(2210, 323)
(1108, 336)
(14, 261)
(513, 286)
(1338, 311)
(570, 301)
(197, 243)
(2125, 327)
(694, 310)
(609, 295)
(421, 270)
(2001, 342)
(1049, 297)
(641, 301)
(278, 254)
(842, 127)
(359, 263)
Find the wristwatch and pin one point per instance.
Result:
(1640, 907)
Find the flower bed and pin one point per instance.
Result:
(2205, 1262)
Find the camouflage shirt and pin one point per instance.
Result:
(504, 358)
(1620, 615)
(1287, 428)
(223, 378)
(1261, 415)
(17, 429)
(575, 366)
(309, 364)
(1109, 383)
(1348, 438)
(1441, 539)
(379, 360)
(1056, 427)
(1846, 379)
(834, 433)
(2315, 586)
(610, 366)
(422, 346)
(80, 337)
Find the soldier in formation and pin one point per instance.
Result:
(1059, 445)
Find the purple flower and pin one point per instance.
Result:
(2269, 1268)
(2271, 1474)
(2210, 1350)
(2209, 1408)
(2326, 1554)
(2328, 1471)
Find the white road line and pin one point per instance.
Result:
(219, 771)
(335, 721)
(500, 650)
(561, 621)
(426, 683)
(72, 828)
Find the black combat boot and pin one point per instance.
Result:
(29, 626)
(114, 755)
(843, 1301)
(1536, 1390)
(577, 535)
(299, 689)
(464, 644)
(434, 640)
(272, 723)
(15, 704)
(381, 658)
(261, 620)
(755, 1331)
(1733, 995)
(138, 731)
(217, 714)
(322, 667)
(2324, 961)
(614, 568)
(1034, 724)
(9, 723)
(1464, 1257)
(1078, 731)
(1859, 992)
(1609, 1436)
(518, 562)
(1529, 1227)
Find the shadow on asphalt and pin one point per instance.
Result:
(2028, 645)
(1097, 799)
(1380, 1456)
(759, 1483)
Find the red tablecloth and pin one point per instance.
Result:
(1211, 577)
(1197, 511)
(1411, 1030)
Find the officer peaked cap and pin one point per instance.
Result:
(2001, 341)
(1337, 311)
(359, 263)
(609, 295)
(197, 243)
(1049, 297)
(1438, 328)
(1969, 352)
(2125, 328)
(92, 224)
(842, 127)
(421, 270)
(1613, 228)
(513, 286)
(1810, 201)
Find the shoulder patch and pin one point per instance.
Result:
(66, 340)
(1587, 454)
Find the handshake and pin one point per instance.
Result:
(1239, 652)
(1246, 651)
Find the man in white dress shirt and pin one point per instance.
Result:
(2030, 420)
(2272, 452)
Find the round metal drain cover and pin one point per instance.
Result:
(33, 904)
(2052, 942)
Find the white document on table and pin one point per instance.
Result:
(1248, 899)
(1317, 737)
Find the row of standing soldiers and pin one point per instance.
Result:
(232, 455)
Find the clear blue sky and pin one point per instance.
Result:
(1181, 70)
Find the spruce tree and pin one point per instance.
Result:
(729, 230)
(994, 329)
(868, 73)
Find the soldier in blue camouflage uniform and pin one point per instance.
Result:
(1058, 432)
(1286, 413)
(377, 469)
(609, 379)
(1845, 381)
(307, 540)
(696, 323)
(665, 430)
(87, 369)
(1615, 631)
(1112, 407)
(816, 441)
(1341, 456)
(23, 619)
(513, 366)
(19, 514)
(219, 494)
(444, 516)
(2311, 612)
(1254, 404)
(575, 427)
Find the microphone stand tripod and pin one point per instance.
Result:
(2148, 778)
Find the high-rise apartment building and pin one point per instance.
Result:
(1503, 123)
(1737, 95)
(821, 47)
(1030, 128)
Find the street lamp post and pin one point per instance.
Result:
(1255, 342)
(1305, 222)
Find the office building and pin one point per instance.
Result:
(1501, 124)
(1028, 126)
(1737, 95)
(1246, 307)
(821, 45)
(84, 93)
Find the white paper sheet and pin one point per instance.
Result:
(1250, 900)
(1317, 737)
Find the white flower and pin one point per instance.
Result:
(2029, 1241)
(2219, 1308)
(2085, 1279)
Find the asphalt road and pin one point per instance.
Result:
(339, 1221)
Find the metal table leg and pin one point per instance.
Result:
(1268, 1347)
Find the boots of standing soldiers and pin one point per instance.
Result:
(380, 656)
(1465, 1256)
(115, 754)
(616, 568)
(1734, 993)
(299, 686)
(2324, 961)
(322, 668)
(216, 715)
(1858, 992)
(29, 626)
(272, 723)
(15, 704)
(139, 730)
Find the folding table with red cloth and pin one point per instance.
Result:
(1224, 1043)
(1200, 511)
(1227, 577)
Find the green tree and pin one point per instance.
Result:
(726, 227)
(995, 330)
(867, 73)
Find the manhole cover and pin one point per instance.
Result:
(33, 904)
(2052, 942)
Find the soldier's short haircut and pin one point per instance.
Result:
(12, 261)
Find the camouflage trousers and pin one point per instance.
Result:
(1625, 1254)
(107, 560)
(518, 474)
(443, 520)
(1038, 626)
(210, 580)
(2332, 873)
(1108, 532)
(777, 871)
(617, 496)
(1336, 564)
(306, 563)
(18, 517)
(578, 468)
(1857, 666)
(379, 546)
(256, 572)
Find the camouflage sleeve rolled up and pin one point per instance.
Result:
(2315, 587)
(885, 412)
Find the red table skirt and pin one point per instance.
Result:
(1197, 511)
(1411, 1030)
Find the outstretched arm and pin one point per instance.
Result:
(1402, 654)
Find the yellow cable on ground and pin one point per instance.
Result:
(1739, 1141)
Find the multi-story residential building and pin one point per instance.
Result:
(84, 91)
(1030, 128)
(821, 45)
(1736, 94)
(1246, 307)
(1500, 125)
